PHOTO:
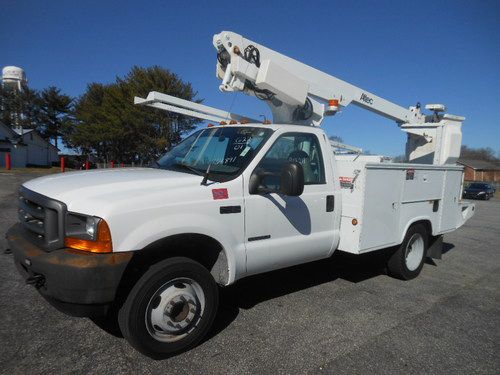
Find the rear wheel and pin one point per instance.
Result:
(407, 261)
(170, 309)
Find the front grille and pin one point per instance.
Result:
(42, 218)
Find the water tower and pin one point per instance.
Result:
(13, 76)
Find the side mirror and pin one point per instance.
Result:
(292, 179)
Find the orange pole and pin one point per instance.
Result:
(87, 165)
(63, 164)
(8, 161)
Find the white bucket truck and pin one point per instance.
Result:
(237, 199)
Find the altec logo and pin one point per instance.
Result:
(365, 98)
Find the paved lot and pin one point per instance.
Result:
(336, 316)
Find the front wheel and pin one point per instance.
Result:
(407, 261)
(170, 309)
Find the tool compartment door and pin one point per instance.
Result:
(381, 208)
(450, 209)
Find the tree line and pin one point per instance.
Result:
(482, 153)
(104, 122)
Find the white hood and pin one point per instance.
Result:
(86, 191)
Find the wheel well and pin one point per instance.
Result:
(198, 247)
(426, 223)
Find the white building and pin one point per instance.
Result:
(26, 147)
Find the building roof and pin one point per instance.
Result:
(479, 164)
(20, 131)
(8, 129)
(16, 132)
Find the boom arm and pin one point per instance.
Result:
(296, 92)
(302, 95)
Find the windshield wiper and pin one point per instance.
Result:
(188, 167)
(199, 173)
(205, 175)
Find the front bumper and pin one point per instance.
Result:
(76, 282)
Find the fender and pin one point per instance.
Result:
(413, 221)
(153, 230)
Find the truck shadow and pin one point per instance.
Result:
(295, 211)
(250, 291)
(446, 247)
(253, 290)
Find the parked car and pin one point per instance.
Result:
(479, 190)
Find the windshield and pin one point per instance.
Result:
(227, 150)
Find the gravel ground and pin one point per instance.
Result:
(342, 315)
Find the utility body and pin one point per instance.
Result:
(234, 200)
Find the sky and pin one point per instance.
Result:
(404, 51)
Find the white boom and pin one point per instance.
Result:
(302, 95)
(185, 107)
(289, 85)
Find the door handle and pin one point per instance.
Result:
(330, 203)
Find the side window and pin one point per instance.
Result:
(302, 148)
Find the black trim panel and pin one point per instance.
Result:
(230, 210)
(258, 238)
(330, 203)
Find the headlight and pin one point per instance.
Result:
(81, 226)
(481, 192)
(87, 233)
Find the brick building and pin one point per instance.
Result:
(480, 170)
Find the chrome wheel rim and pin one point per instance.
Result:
(414, 251)
(175, 309)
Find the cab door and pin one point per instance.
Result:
(281, 230)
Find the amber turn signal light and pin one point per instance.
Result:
(333, 102)
(102, 244)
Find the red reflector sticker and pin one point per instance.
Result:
(346, 180)
(220, 194)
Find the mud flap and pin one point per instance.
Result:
(435, 249)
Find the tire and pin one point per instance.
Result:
(407, 261)
(170, 309)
